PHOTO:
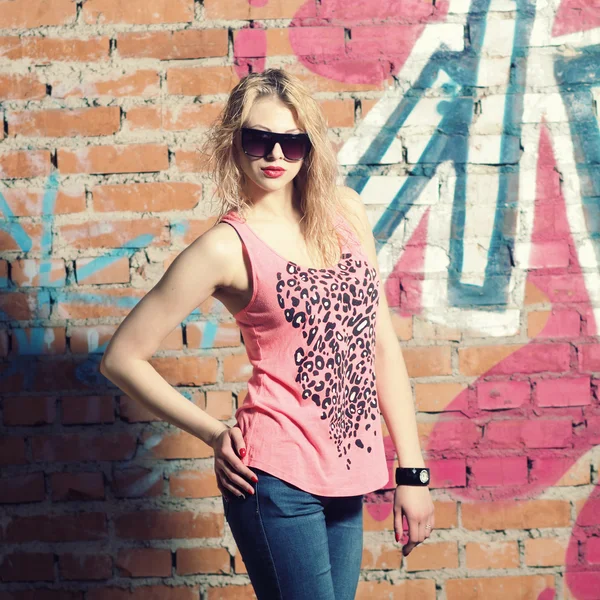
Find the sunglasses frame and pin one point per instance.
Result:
(272, 138)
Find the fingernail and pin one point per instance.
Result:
(397, 537)
(242, 452)
(255, 478)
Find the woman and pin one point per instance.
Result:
(293, 259)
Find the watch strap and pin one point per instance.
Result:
(412, 476)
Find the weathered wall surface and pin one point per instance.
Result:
(470, 130)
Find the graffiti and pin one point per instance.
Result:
(480, 167)
(500, 197)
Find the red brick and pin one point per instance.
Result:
(339, 113)
(173, 118)
(77, 486)
(100, 120)
(22, 164)
(450, 432)
(593, 430)
(29, 272)
(190, 161)
(319, 41)
(27, 566)
(162, 525)
(558, 471)
(110, 303)
(47, 50)
(144, 562)
(492, 555)
(137, 482)
(592, 551)
(57, 528)
(565, 288)
(42, 594)
(240, 9)
(89, 272)
(172, 45)
(202, 560)
(427, 361)
(201, 81)
(518, 587)
(498, 395)
(113, 234)
(17, 302)
(133, 411)
(26, 202)
(511, 514)
(87, 409)
(145, 592)
(566, 391)
(448, 472)
(29, 410)
(146, 197)
(433, 555)
(18, 489)
(138, 12)
(496, 471)
(21, 87)
(61, 372)
(193, 484)
(85, 566)
(507, 360)
(227, 335)
(539, 433)
(3, 333)
(145, 83)
(554, 324)
(39, 341)
(589, 357)
(545, 552)
(421, 589)
(12, 450)
(174, 445)
(90, 339)
(133, 158)
(69, 447)
(27, 14)
(186, 370)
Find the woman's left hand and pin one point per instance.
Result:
(415, 503)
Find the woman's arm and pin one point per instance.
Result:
(193, 276)
(393, 385)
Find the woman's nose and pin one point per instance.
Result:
(276, 151)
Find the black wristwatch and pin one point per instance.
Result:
(412, 476)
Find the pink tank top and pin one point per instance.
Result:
(311, 415)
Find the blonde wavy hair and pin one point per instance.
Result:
(316, 182)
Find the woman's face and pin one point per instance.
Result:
(270, 114)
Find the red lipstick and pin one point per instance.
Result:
(273, 171)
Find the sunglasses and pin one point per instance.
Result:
(259, 144)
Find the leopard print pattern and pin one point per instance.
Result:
(336, 310)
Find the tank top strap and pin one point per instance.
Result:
(352, 242)
(253, 245)
(258, 249)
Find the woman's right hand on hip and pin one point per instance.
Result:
(232, 474)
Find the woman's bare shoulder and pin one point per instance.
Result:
(221, 246)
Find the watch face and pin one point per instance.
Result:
(423, 476)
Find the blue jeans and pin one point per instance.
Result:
(297, 545)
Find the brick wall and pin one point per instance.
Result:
(471, 132)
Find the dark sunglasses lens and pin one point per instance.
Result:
(295, 149)
(260, 144)
(255, 143)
